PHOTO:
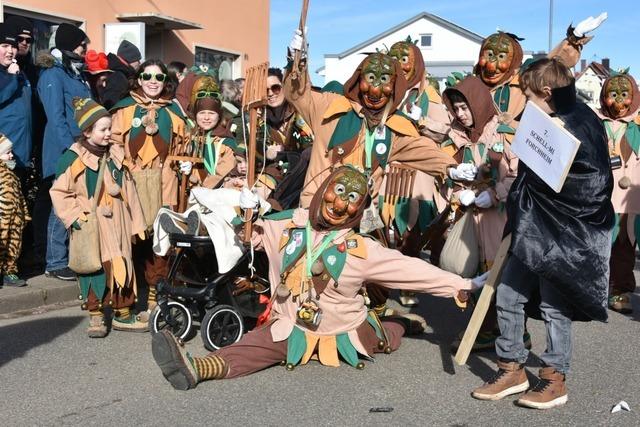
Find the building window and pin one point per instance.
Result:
(425, 40)
(221, 62)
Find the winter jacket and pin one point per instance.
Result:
(15, 114)
(57, 87)
(117, 84)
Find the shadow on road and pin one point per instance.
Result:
(16, 340)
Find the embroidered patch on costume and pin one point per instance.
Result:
(381, 148)
(136, 122)
(297, 238)
(498, 147)
(291, 247)
(352, 243)
(380, 132)
(331, 259)
(340, 151)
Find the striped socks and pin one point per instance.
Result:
(211, 367)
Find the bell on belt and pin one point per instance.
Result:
(283, 291)
(624, 182)
(317, 268)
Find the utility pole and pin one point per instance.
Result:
(550, 24)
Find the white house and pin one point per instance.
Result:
(446, 47)
(589, 81)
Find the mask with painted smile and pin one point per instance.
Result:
(377, 81)
(340, 200)
(500, 56)
(619, 93)
(405, 55)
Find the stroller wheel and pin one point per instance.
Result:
(220, 327)
(179, 322)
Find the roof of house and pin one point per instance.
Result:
(424, 15)
(599, 69)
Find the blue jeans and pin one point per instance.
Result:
(514, 291)
(57, 244)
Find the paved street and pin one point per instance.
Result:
(52, 374)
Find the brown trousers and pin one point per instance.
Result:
(155, 267)
(121, 299)
(256, 350)
(623, 261)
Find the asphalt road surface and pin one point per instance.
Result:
(52, 374)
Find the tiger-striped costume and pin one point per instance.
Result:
(13, 218)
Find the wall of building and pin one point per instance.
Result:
(446, 46)
(240, 27)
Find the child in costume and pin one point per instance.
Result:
(208, 138)
(118, 211)
(318, 266)
(148, 123)
(560, 247)
(13, 217)
(619, 107)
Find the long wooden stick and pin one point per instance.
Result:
(298, 54)
(482, 306)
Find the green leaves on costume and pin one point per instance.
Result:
(334, 261)
(501, 98)
(294, 248)
(455, 78)
(346, 349)
(632, 136)
(96, 281)
(348, 127)
(296, 346)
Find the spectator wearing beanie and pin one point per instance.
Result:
(123, 65)
(15, 98)
(60, 81)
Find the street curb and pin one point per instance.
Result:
(40, 291)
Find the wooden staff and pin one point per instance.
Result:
(297, 56)
(482, 306)
(254, 97)
(184, 153)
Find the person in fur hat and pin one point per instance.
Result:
(13, 217)
(619, 107)
(119, 215)
(318, 266)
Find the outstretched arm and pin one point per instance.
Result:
(570, 48)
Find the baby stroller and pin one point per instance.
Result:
(195, 292)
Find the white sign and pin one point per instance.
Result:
(545, 146)
(114, 34)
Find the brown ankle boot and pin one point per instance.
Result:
(511, 378)
(549, 392)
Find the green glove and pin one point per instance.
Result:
(76, 225)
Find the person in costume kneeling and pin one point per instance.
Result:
(318, 267)
(92, 180)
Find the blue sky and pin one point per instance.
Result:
(337, 25)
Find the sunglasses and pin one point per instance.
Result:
(26, 40)
(206, 94)
(275, 89)
(160, 77)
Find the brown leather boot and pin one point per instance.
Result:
(549, 392)
(511, 378)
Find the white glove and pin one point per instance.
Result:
(467, 197)
(248, 199)
(185, 167)
(297, 41)
(273, 150)
(463, 172)
(484, 200)
(479, 281)
(415, 113)
(589, 24)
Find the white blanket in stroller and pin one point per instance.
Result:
(216, 210)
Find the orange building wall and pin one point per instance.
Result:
(241, 26)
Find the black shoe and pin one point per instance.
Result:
(62, 274)
(13, 280)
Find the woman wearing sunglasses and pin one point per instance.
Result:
(149, 123)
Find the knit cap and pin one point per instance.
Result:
(69, 37)
(87, 112)
(129, 52)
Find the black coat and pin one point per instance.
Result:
(566, 237)
(117, 84)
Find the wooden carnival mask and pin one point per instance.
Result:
(377, 80)
(498, 55)
(618, 96)
(405, 55)
(343, 197)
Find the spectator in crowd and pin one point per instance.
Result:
(123, 66)
(60, 81)
(15, 99)
(177, 70)
(97, 74)
(13, 217)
